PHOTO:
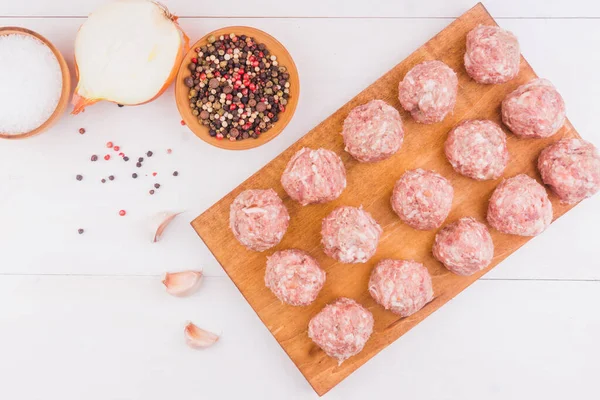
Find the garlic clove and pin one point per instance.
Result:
(164, 219)
(182, 283)
(198, 338)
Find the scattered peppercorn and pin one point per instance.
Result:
(109, 144)
(122, 213)
(125, 158)
(116, 148)
(169, 151)
(157, 185)
(154, 174)
(151, 191)
(80, 231)
(94, 158)
(139, 164)
(141, 159)
(182, 122)
(107, 157)
(79, 177)
(81, 130)
(134, 175)
(103, 180)
(175, 173)
(149, 154)
(111, 177)
(120, 105)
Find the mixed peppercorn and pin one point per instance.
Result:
(237, 88)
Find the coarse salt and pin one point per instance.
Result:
(30, 83)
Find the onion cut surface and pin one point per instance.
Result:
(127, 52)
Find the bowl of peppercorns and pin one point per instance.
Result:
(237, 88)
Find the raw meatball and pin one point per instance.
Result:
(258, 219)
(428, 91)
(341, 329)
(520, 206)
(571, 167)
(314, 176)
(422, 199)
(403, 287)
(294, 277)
(350, 235)
(373, 132)
(464, 247)
(492, 55)
(534, 110)
(477, 149)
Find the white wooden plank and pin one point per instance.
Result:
(323, 8)
(42, 205)
(121, 338)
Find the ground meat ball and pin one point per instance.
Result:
(534, 110)
(258, 219)
(422, 199)
(520, 206)
(314, 176)
(464, 247)
(477, 149)
(403, 287)
(373, 131)
(571, 167)
(428, 91)
(492, 55)
(341, 329)
(350, 235)
(294, 277)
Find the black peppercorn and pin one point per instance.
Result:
(79, 177)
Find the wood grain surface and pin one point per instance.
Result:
(370, 185)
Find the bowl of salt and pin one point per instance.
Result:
(35, 83)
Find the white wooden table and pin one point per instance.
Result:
(86, 317)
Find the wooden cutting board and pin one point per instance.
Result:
(370, 185)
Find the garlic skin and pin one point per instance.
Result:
(198, 338)
(163, 220)
(182, 284)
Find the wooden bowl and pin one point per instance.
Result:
(66, 83)
(283, 57)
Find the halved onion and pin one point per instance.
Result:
(127, 52)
